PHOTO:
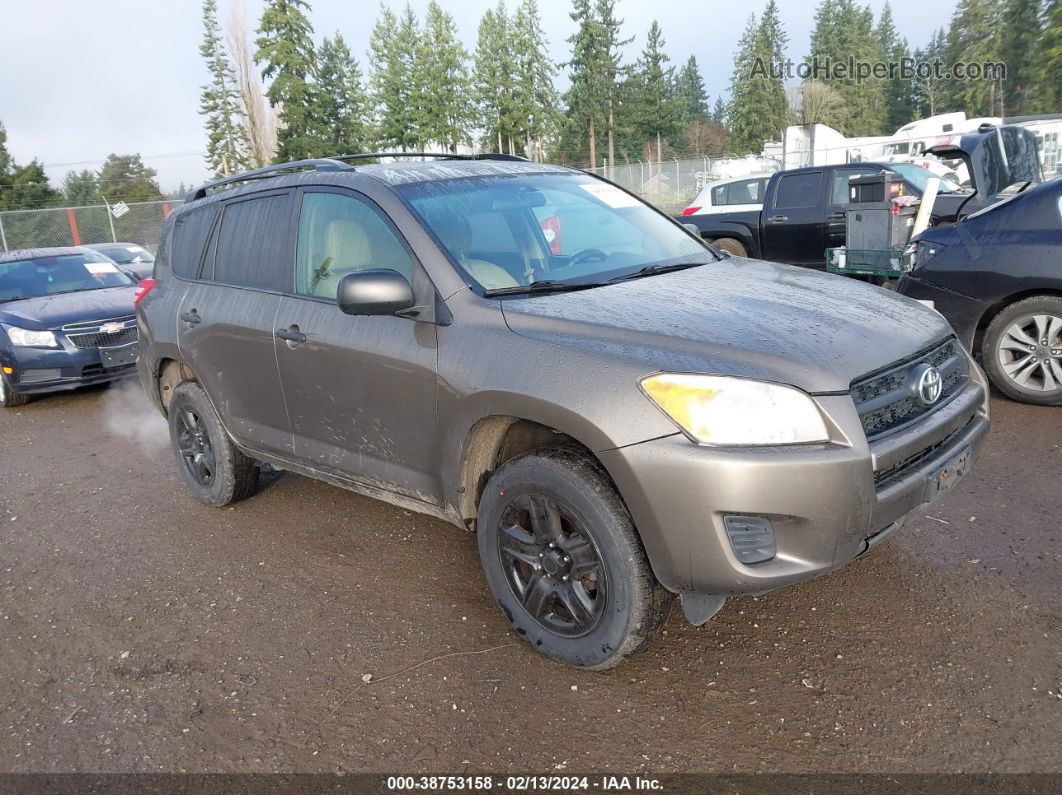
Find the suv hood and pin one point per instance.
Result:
(54, 311)
(744, 317)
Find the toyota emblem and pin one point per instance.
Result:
(930, 385)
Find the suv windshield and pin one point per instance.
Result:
(919, 176)
(549, 231)
(65, 273)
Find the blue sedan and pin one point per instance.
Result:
(66, 320)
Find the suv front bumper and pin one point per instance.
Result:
(824, 501)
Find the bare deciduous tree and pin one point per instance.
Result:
(260, 118)
(705, 138)
(817, 103)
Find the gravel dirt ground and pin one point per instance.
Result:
(141, 631)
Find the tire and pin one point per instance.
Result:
(213, 469)
(596, 565)
(1018, 362)
(9, 398)
(731, 246)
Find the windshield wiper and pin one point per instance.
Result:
(652, 270)
(543, 286)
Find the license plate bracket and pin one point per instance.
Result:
(119, 356)
(948, 475)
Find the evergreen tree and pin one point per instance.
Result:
(535, 95)
(758, 109)
(6, 163)
(81, 188)
(286, 55)
(1050, 59)
(391, 79)
(690, 93)
(656, 115)
(339, 102)
(494, 80)
(27, 187)
(126, 178)
(843, 30)
(442, 79)
(1018, 50)
(742, 116)
(719, 111)
(611, 70)
(227, 144)
(974, 37)
(899, 93)
(586, 100)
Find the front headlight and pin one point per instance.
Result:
(31, 339)
(738, 412)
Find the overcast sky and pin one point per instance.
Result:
(80, 79)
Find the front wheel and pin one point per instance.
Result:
(9, 398)
(562, 559)
(213, 469)
(731, 246)
(1022, 350)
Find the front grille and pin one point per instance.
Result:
(100, 340)
(95, 324)
(888, 400)
(897, 471)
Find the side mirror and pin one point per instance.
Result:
(380, 291)
(692, 229)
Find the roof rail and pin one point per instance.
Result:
(436, 155)
(317, 164)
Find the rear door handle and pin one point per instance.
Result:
(292, 335)
(191, 318)
(835, 217)
(777, 219)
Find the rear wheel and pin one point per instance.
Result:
(213, 469)
(1022, 350)
(731, 246)
(9, 398)
(564, 562)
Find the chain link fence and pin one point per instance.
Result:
(672, 184)
(132, 222)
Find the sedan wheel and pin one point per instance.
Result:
(1030, 352)
(1023, 350)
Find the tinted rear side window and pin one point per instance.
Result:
(190, 232)
(798, 190)
(253, 244)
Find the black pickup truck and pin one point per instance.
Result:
(803, 212)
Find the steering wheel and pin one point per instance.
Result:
(587, 254)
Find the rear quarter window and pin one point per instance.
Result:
(190, 231)
(253, 245)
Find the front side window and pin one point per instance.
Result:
(511, 232)
(841, 178)
(339, 234)
(65, 273)
(251, 245)
(798, 190)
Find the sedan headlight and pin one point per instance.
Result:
(31, 339)
(739, 412)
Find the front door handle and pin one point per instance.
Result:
(777, 219)
(191, 318)
(291, 335)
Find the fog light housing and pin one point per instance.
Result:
(751, 538)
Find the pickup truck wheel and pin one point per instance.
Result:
(1022, 350)
(731, 246)
(562, 559)
(215, 471)
(9, 398)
